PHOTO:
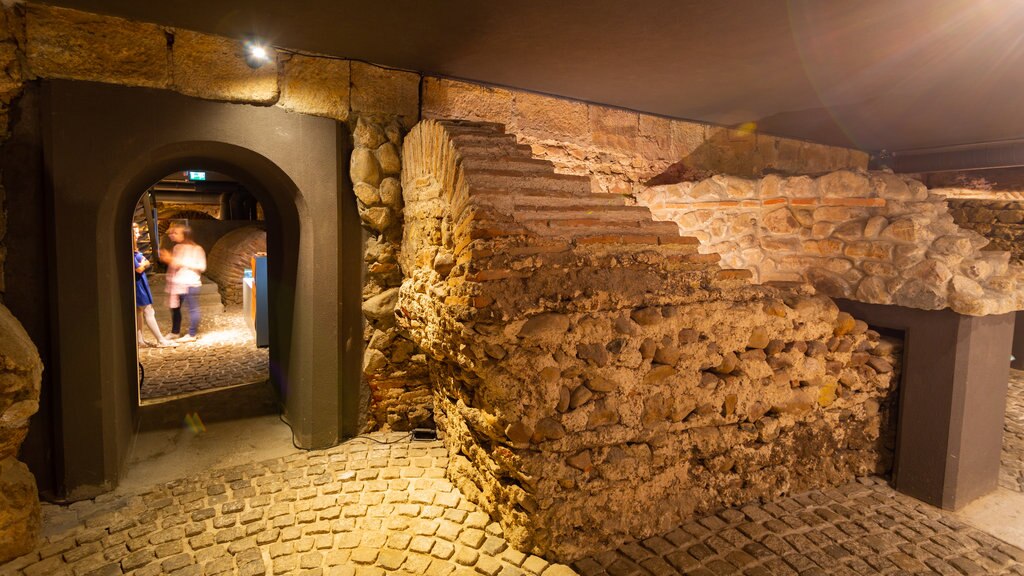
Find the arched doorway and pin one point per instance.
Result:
(228, 238)
(104, 146)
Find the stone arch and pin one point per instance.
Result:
(95, 190)
(587, 361)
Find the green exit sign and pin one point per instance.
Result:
(194, 175)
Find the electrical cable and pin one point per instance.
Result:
(358, 437)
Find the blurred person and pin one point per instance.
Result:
(185, 265)
(144, 313)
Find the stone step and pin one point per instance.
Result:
(490, 149)
(472, 140)
(611, 212)
(471, 126)
(598, 226)
(521, 165)
(512, 181)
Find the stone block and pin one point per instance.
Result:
(213, 67)
(316, 86)
(20, 520)
(687, 138)
(548, 117)
(62, 43)
(656, 137)
(379, 91)
(444, 98)
(844, 184)
(614, 129)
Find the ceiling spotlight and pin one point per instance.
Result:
(256, 54)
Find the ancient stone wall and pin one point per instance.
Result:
(20, 374)
(874, 237)
(597, 378)
(394, 369)
(621, 150)
(999, 220)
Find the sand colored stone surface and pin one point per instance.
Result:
(874, 237)
(20, 374)
(599, 379)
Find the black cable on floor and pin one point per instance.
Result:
(359, 437)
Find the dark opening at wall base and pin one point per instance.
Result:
(952, 400)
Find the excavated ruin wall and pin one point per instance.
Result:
(621, 151)
(999, 220)
(597, 378)
(20, 375)
(874, 237)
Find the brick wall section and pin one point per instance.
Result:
(874, 237)
(999, 220)
(597, 378)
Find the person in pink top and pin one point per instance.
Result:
(185, 265)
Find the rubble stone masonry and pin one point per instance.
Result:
(597, 378)
(874, 237)
(999, 220)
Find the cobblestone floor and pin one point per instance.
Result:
(224, 355)
(369, 508)
(1012, 471)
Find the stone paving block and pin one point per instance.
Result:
(858, 528)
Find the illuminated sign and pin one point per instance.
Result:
(194, 176)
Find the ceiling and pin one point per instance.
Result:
(873, 74)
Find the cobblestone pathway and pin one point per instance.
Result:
(225, 355)
(1012, 471)
(369, 508)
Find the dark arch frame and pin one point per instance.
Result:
(273, 188)
(103, 145)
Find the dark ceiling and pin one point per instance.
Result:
(874, 74)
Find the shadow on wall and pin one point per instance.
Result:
(742, 151)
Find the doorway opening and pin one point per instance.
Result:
(201, 324)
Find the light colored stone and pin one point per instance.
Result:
(780, 221)
(613, 128)
(364, 167)
(844, 184)
(20, 520)
(381, 306)
(214, 67)
(875, 225)
(62, 43)
(547, 117)
(391, 193)
(317, 86)
(388, 159)
(445, 98)
(378, 219)
(386, 93)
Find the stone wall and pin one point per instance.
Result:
(20, 374)
(622, 150)
(874, 237)
(596, 377)
(999, 220)
(394, 369)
